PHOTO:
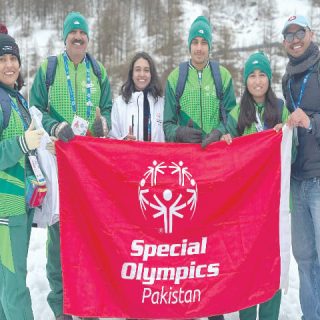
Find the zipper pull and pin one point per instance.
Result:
(200, 76)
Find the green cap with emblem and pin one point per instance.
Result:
(73, 21)
(257, 61)
(200, 28)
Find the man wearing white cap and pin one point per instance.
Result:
(301, 89)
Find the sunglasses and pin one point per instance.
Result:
(299, 34)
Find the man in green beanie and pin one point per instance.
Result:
(79, 102)
(74, 21)
(195, 118)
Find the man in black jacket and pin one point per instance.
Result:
(301, 89)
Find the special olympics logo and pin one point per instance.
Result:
(168, 191)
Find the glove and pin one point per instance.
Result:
(100, 127)
(32, 137)
(213, 136)
(188, 134)
(63, 131)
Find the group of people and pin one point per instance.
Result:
(73, 93)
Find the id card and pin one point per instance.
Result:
(36, 169)
(79, 126)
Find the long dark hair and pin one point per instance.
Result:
(247, 115)
(154, 87)
(20, 82)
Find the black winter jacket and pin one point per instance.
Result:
(307, 164)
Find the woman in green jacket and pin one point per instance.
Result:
(17, 139)
(259, 110)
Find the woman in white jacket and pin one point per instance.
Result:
(137, 114)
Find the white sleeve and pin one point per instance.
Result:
(117, 121)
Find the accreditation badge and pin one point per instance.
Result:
(79, 126)
(36, 188)
(36, 169)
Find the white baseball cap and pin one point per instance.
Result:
(298, 20)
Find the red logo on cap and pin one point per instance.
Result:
(292, 18)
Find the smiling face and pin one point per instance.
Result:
(258, 84)
(297, 47)
(9, 69)
(141, 75)
(76, 45)
(199, 50)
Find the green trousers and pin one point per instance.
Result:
(55, 297)
(54, 272)
(268, 310)
(15, 300)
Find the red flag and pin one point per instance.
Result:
(153, 230)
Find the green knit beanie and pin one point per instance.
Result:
(256, 61)
(74, 20)
(200, 28)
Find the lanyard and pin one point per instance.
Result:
(146, 118)
(88, 86)
(258, 125)
(16, 108)
(302, 90)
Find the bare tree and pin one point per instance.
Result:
(229, 58)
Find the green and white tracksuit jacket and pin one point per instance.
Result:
(198, 102)
(12, 162)
(232, 122)
(56, 104)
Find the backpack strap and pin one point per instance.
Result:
(51, 71)
(52, 67)
(216, 75)
(183, 74)
(6, 107)
(96, 67)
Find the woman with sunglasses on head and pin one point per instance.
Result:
(18, 138)
(137, 114)
(259, 110)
